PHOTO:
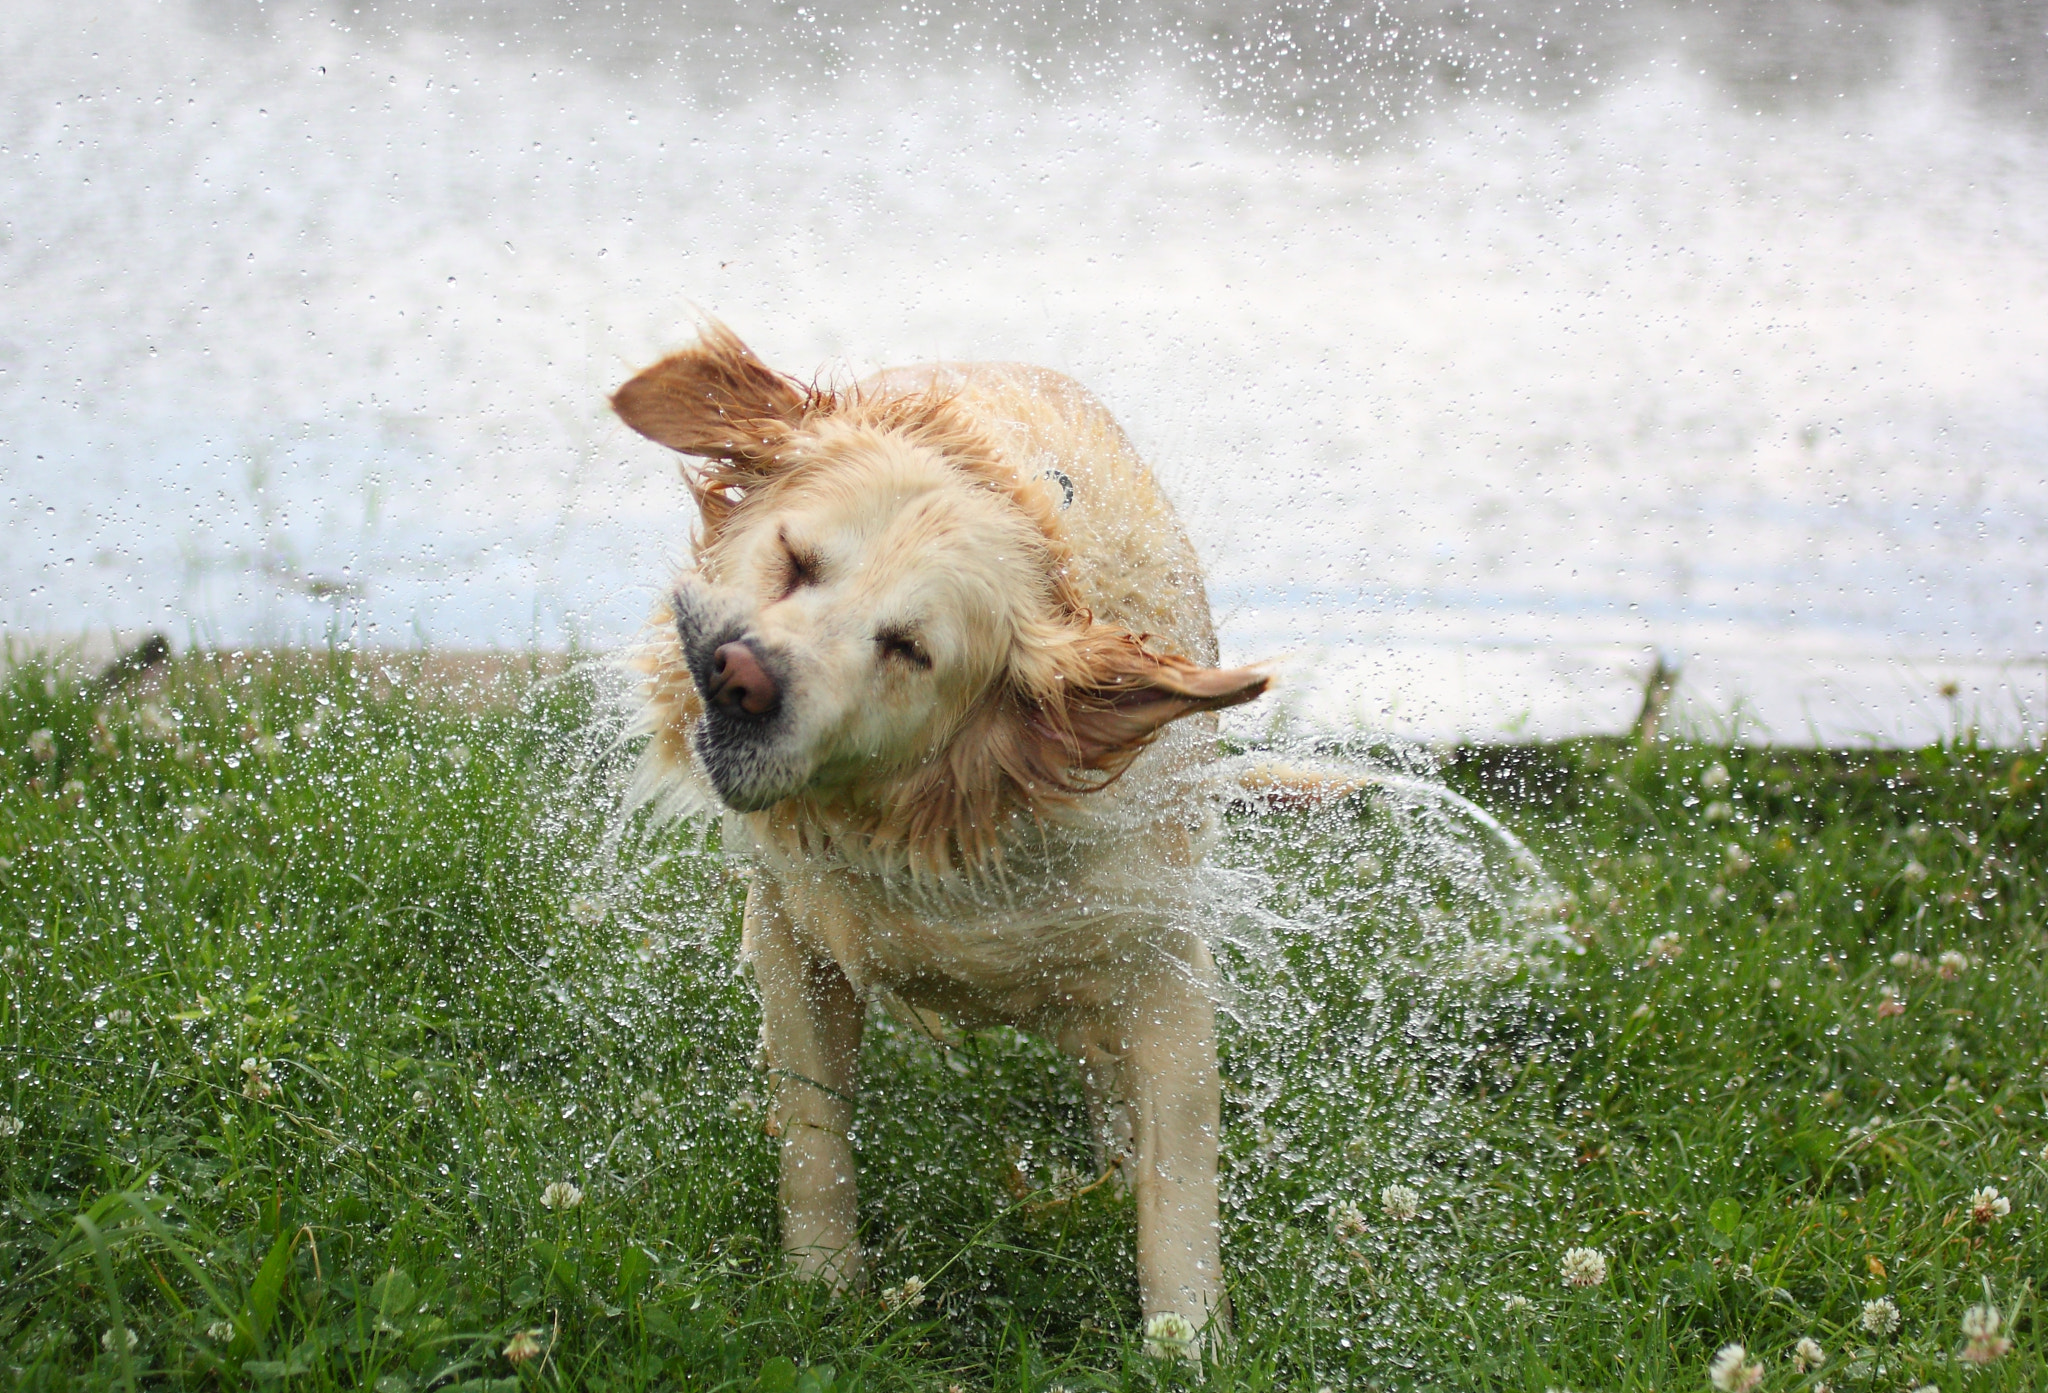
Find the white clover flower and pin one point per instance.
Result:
(1733, 1371)
(1739, 858)
(645, 1102)
(906, 1295)
(561, 1194)
(10, 1125)
(1492, 961)
(1584, 1267)
(1667, 948)
(1516, 1304)
(1987, 1206)
(256, 1078)
(1719, 811)
(1808, 1354)
(1951, 965)
(1913, 873)
(120, 1016)
(1715, 779)
(524, 1346)
(1880, 1316)
(1170, 1335)
(1987, 1351)
(1400, 1203)
(1980, 1328)
(586, 911)
(221, 1331)
(1063, 1178)
(1349, 1221)
(120, 1337)
(42, 744)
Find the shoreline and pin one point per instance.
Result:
(1685, 706)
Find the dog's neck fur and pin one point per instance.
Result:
(1024, 848)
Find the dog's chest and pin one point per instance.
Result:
(999, 952)
(957, 953)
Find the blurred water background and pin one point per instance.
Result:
(1488, 348)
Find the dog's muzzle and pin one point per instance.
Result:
(740, 739)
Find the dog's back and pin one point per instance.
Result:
(1134, 565)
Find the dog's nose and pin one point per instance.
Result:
(739, 683)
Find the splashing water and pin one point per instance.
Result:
(1387, 953)
(1383, 954)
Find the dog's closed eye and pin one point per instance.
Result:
(800, 568)
(902, 645)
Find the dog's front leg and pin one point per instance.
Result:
(1168, 1049)
(811, 1024)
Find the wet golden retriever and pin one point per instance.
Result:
(936, 652)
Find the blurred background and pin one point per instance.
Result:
(1490, 350)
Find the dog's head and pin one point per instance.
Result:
(878, 616)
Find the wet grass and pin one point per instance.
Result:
(315, 977)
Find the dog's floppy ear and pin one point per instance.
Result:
(716, 400)
(1114, 696)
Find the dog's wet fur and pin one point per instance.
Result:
(944, 652)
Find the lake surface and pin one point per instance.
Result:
(1488, 350)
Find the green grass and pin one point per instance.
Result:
(315, 975)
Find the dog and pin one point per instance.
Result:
(944, 655)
